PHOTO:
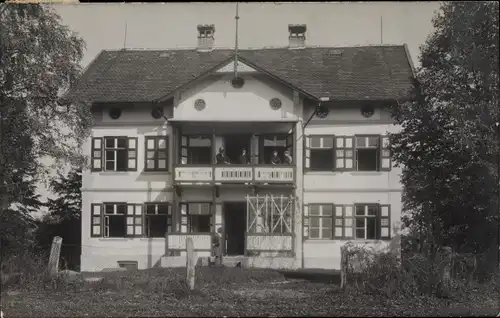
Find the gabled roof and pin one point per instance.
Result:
(340, 73)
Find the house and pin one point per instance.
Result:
(161, 117)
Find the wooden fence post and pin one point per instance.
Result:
(445, 257)
(55, 253)
(190, 263)
(343, 266)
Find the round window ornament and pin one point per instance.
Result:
(275, 103)
(322, 111)
(238, 82)
(367, 111)
(115, 113)
(199, 104)
(157, 113)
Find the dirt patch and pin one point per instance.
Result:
(263, 293)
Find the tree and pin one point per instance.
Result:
(39, 58)
(449, 142)
(68, 203)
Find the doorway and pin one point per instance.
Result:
(234, 144)
(235, 227)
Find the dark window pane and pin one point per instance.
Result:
(327, 223)
(121, 208)
(360, 210)
(122, 142)
(371, 228)
(314, 222)
(315, 142)
(360, 233)
(109, 208)
(360, 142)
(314, 210)
(314, 233)
(109, 142)
(199, 223)
(360, 222)
(110, 165)
(327, 142)
(162, 209)
(110, 155)
(200, 155)
(150, 209)
(327, 233)
(327, 210)
(157, 225)
(117, 227)
(121, 160)
(321, 159)
(367, 159)
(372, 210)
(373, 141)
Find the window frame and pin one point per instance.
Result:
(156, 151)
(366, 216)
(135, 215)
(99, 216)
(345, 148)
(187, 146)
(308, 151)
(185, 216)
(105, 219)
(131, 153)
(168, 220)
(376, 148)
(307, 221)
(385, 146)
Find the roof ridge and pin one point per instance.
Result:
(252, 48)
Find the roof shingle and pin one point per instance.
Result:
(358, 73)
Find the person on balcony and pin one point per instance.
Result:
(288, 157)
(243, 159)
(275, 159)
(221, 157)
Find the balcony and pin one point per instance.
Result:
(246, 174)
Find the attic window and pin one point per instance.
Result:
(206, 31)
(157, 113)
(115, 113)
(238, 82)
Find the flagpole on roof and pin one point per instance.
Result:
(236, 44)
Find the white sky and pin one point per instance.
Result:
(172, 25)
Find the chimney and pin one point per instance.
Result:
(206, 37)
(297, 38)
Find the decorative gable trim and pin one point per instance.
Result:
(242, 68)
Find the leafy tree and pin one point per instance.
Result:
(68, 203)
(449, 142)
(39, 58)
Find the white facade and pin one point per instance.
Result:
(235, 110)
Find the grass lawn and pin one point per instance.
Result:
(225, 291)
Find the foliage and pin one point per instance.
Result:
(39, 58)
(68, 203)
(448, 145)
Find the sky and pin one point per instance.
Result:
(261, 24)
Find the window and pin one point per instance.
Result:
(196, 150)
(360, 221)
(156, 153)
(120, 154)
(367, 153)
(114, 219)
(196, 218)
(96, 220)
(320, 221)
(158, 219)
(344, 154)
(319, 153)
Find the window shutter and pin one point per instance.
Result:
(307, 153)
(184, 149)
(97, 152)
(385, 154)
(96, 220)
(132, 154)
(162, 153)
(385, 222)
(349, 153)
(130, 221)
(169, 219)
(184, 217)
(338, 225)
(305, 222)
(349, 222)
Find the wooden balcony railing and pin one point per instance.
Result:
(234, 174)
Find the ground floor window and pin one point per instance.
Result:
(358, 221)
(270, 214)
(114, 219)
(196, 217)
(158, 219)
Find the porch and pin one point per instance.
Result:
(234, 152)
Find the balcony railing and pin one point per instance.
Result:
(234, 174)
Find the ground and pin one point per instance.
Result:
(226, 292)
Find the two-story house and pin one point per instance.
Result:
(285, 149)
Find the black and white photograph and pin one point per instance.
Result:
(259, 159)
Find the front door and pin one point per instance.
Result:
(235, 226)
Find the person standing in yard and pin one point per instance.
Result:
(217, 246)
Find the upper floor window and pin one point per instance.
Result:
(196, 149)
(277, 149)
(347, 153)
(156, 153)
(359, 221)
(114, 154)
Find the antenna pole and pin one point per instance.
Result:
(236, 44)
(381, 31)
(125, 36)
